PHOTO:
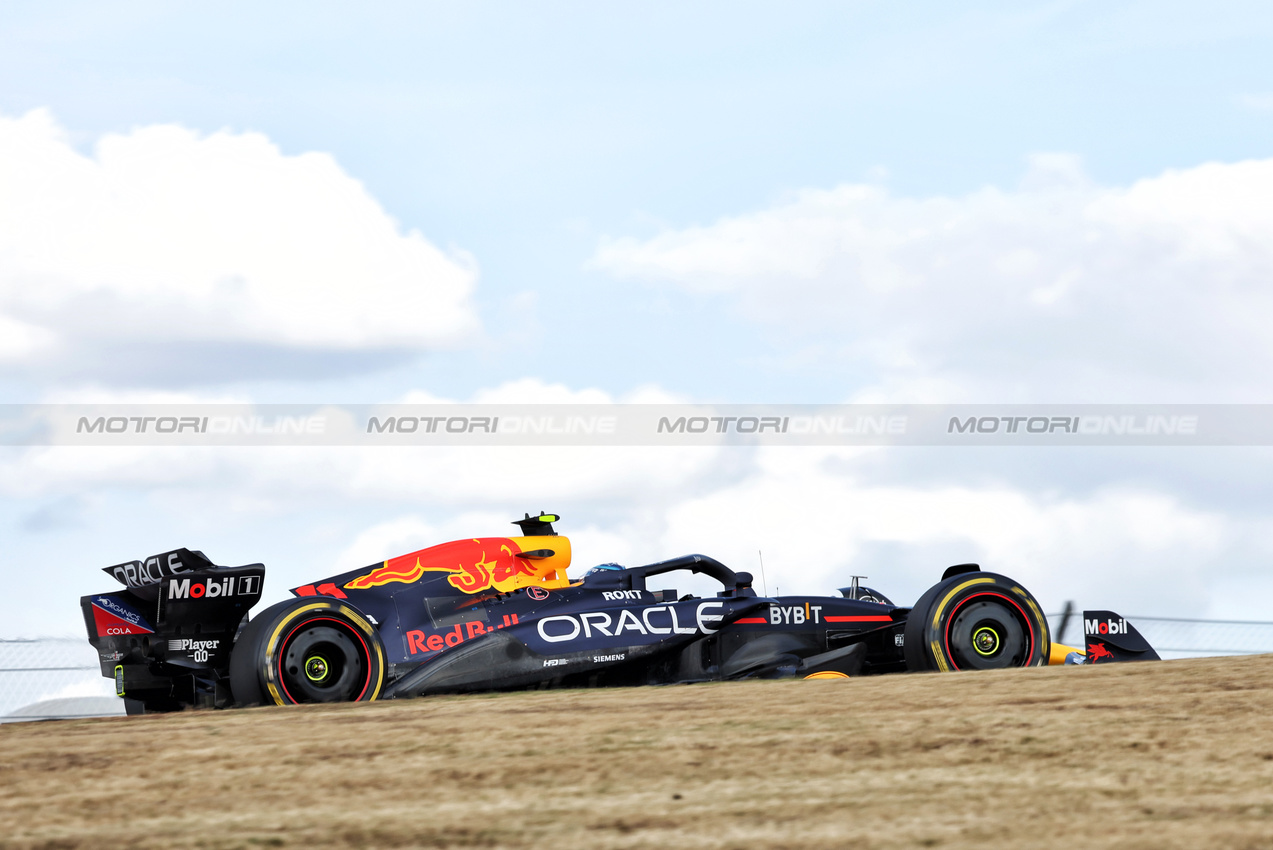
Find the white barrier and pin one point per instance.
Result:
(41, 669)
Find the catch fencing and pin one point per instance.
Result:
(1178, 637)
(48, 668)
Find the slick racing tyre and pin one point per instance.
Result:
(307, 650)
(976, 621)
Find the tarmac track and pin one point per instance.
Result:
(1176, 754)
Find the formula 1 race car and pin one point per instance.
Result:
(497, 613)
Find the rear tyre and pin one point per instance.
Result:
(976, 621)
(307, 650)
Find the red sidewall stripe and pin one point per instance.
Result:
(282, 681)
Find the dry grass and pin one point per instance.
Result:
(1170, 755)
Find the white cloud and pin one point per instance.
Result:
(385, 540)
(537, 391)
(103, 395)
(164, 236)
(1128, 535)
(819, 516)
(462, 478)
(1255, 101)
(818, 523)
(20, 340)
(1057, 290)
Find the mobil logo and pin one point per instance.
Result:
(212, 588)
(1109, 626)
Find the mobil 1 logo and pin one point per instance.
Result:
(213, 588)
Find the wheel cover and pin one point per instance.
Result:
(323, 660)
(989, 631)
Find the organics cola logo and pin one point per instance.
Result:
(212, 588)
(474, 565)
(1105, 627)
(112, 619)
(118, 629)
(118, 610)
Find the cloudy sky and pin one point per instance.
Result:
(1014, 202)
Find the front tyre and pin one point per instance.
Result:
(976, 621)
(307, 650)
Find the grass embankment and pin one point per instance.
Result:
(1170, 755)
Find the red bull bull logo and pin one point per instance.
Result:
(395, 569)
(474, 565)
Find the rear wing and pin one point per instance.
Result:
(166, 637)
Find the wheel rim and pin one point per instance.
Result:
(988, 632)
(323, 660)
